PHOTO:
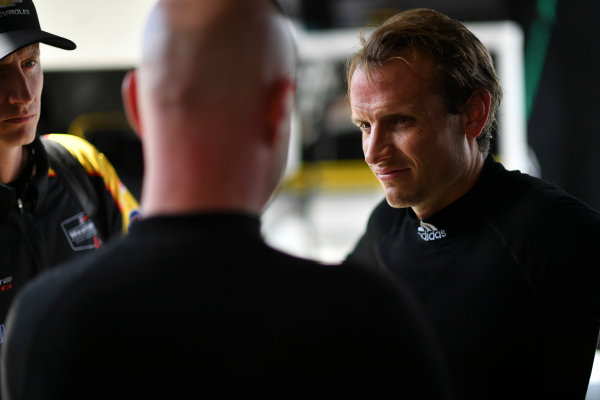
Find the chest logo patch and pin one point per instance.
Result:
(81, 233)
(429, 233)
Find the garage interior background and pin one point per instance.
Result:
(561, 42)
(562, 65)
(562, 72)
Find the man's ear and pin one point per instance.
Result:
(130, 100)
(279, 108)
(476, 111)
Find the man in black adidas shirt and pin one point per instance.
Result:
(506, 265)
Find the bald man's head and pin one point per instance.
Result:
(212, 98)
(217, 51)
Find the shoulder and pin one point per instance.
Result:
(86, 153)
(532, 210)
(362, 292)
(97, 166)
(29, 327)
(50, 286)
(537, 198)
(57, 299)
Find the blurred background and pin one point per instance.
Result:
(545, 53)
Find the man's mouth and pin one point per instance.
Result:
(20, 120)
(390, 173)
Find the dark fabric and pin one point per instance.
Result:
(76, 180)
(200, 307)
(41, 225)
(511, 288)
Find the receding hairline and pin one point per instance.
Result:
(369, 66)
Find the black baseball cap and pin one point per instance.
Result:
(20, 27)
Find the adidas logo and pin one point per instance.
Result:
(428, 232)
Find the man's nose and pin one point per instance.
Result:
(20, 89)
(376, 146)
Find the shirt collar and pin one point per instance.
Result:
(450, 221)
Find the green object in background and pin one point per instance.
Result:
(536, 48)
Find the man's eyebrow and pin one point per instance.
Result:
(31, 50)
(356, 119)
(357, 115)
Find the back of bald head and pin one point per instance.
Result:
(214, 54)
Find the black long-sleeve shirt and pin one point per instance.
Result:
(509, 276)
(199, 306)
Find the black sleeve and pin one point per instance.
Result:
(573, 271)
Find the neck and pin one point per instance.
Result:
(174, 196)
(455, 189)
(215, 185)
(12, 163)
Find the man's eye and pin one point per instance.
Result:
(364, 126)
(401, 120)
(30, 63)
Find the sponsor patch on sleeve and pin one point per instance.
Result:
(81, 233)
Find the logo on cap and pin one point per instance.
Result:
(9, 3)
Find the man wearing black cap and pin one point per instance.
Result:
(20, 27)
(46, 184)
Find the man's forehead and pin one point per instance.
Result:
(392, 71)
(32, 49)
(396, 86)
(27, 51)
